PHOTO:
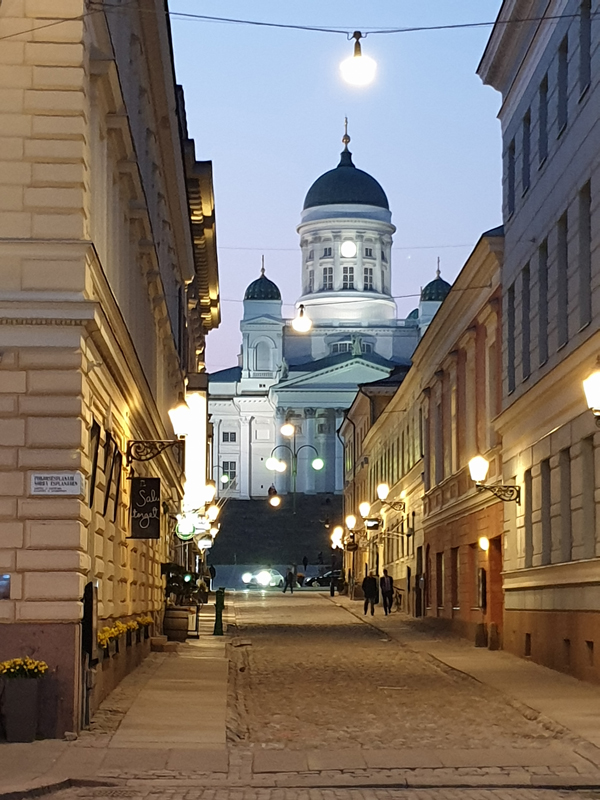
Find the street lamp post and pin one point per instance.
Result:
(273, 463)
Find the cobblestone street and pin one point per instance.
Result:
(320, 704)
(317, 676)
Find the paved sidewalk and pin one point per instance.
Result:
(165, 731)
(571, 703)
(175, 720)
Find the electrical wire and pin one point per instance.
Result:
(103, 7)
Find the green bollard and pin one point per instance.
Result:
(219, 606)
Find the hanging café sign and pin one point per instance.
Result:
(145, 508)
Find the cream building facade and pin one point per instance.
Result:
(108, 284)
(548, 73)
(416, 432)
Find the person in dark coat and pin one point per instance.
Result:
(370, 591)
(290, 580)
(386, 584)
(305, 562)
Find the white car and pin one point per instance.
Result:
(264, 578)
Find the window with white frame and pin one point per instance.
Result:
(230, 470)
(368, 252)
(327, 278)
(229, 436)
(368, 278)
(311, 255)
(348, 278)
(326, 252)
(311, 281)
(383, 257)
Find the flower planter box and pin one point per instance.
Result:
(113, 647)
(139, 634)
(146, 631)
(129, 638)
(20, 709)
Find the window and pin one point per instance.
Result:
(311, 255)
(368, 279)
(348, 278)
(368, 252)
(327, 252)
(311, 281)
(229, 469)
(543, 302)
(526, 155)
(383, 258)
(367, 347)
(322, 428)
(439, 579)
(341, 347)
(562, 281)
(510, 178)
(585, 41)
(564, 464)
(588, 505)
(528, 517)
(525, 323)
(563, 79)
(229, 436)
(543, 121)
(510, 338)
(327, 278)
(585, 256)
(545, 478)
(454, 576)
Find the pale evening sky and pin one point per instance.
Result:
(267, 106)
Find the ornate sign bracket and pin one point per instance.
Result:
(148, 449)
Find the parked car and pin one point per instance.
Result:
(263, 578)
(324, 579)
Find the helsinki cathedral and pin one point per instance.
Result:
(308, 379)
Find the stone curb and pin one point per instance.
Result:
(50, 788)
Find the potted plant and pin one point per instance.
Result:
(20, 697)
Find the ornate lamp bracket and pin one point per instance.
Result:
(395, 505)
(503, 492)
(148, 449)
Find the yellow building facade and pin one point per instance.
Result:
(108, 284)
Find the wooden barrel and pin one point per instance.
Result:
(175, 624)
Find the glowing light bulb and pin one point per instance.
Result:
(382, 491)
(348, 249)
(318, 463)
(287, 429)
(478, 467)
(271, 463)
(364, 509)
(281, 466)
(350, 522)
(358, 70)
(301, 323)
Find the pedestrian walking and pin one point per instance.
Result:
(370, 592)
(305, 562)
(386, 584)
(290, 580)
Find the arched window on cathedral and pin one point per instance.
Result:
(263, 357)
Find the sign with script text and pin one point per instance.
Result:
(145, 508)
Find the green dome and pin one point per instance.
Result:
(436, 291)
(346, 185)
(414, 314)
(262, 289)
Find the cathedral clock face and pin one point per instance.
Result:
(348, 249)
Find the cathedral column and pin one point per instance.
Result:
(310, 455)
(359, 278)
(281, 479)
(339, 453)
(245, 455)
(337, 271)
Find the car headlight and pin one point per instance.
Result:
(247, 577)
(264, 578)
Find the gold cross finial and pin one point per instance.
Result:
(345, 137)
(262, 268)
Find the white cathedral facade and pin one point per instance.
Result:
(310, 379)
